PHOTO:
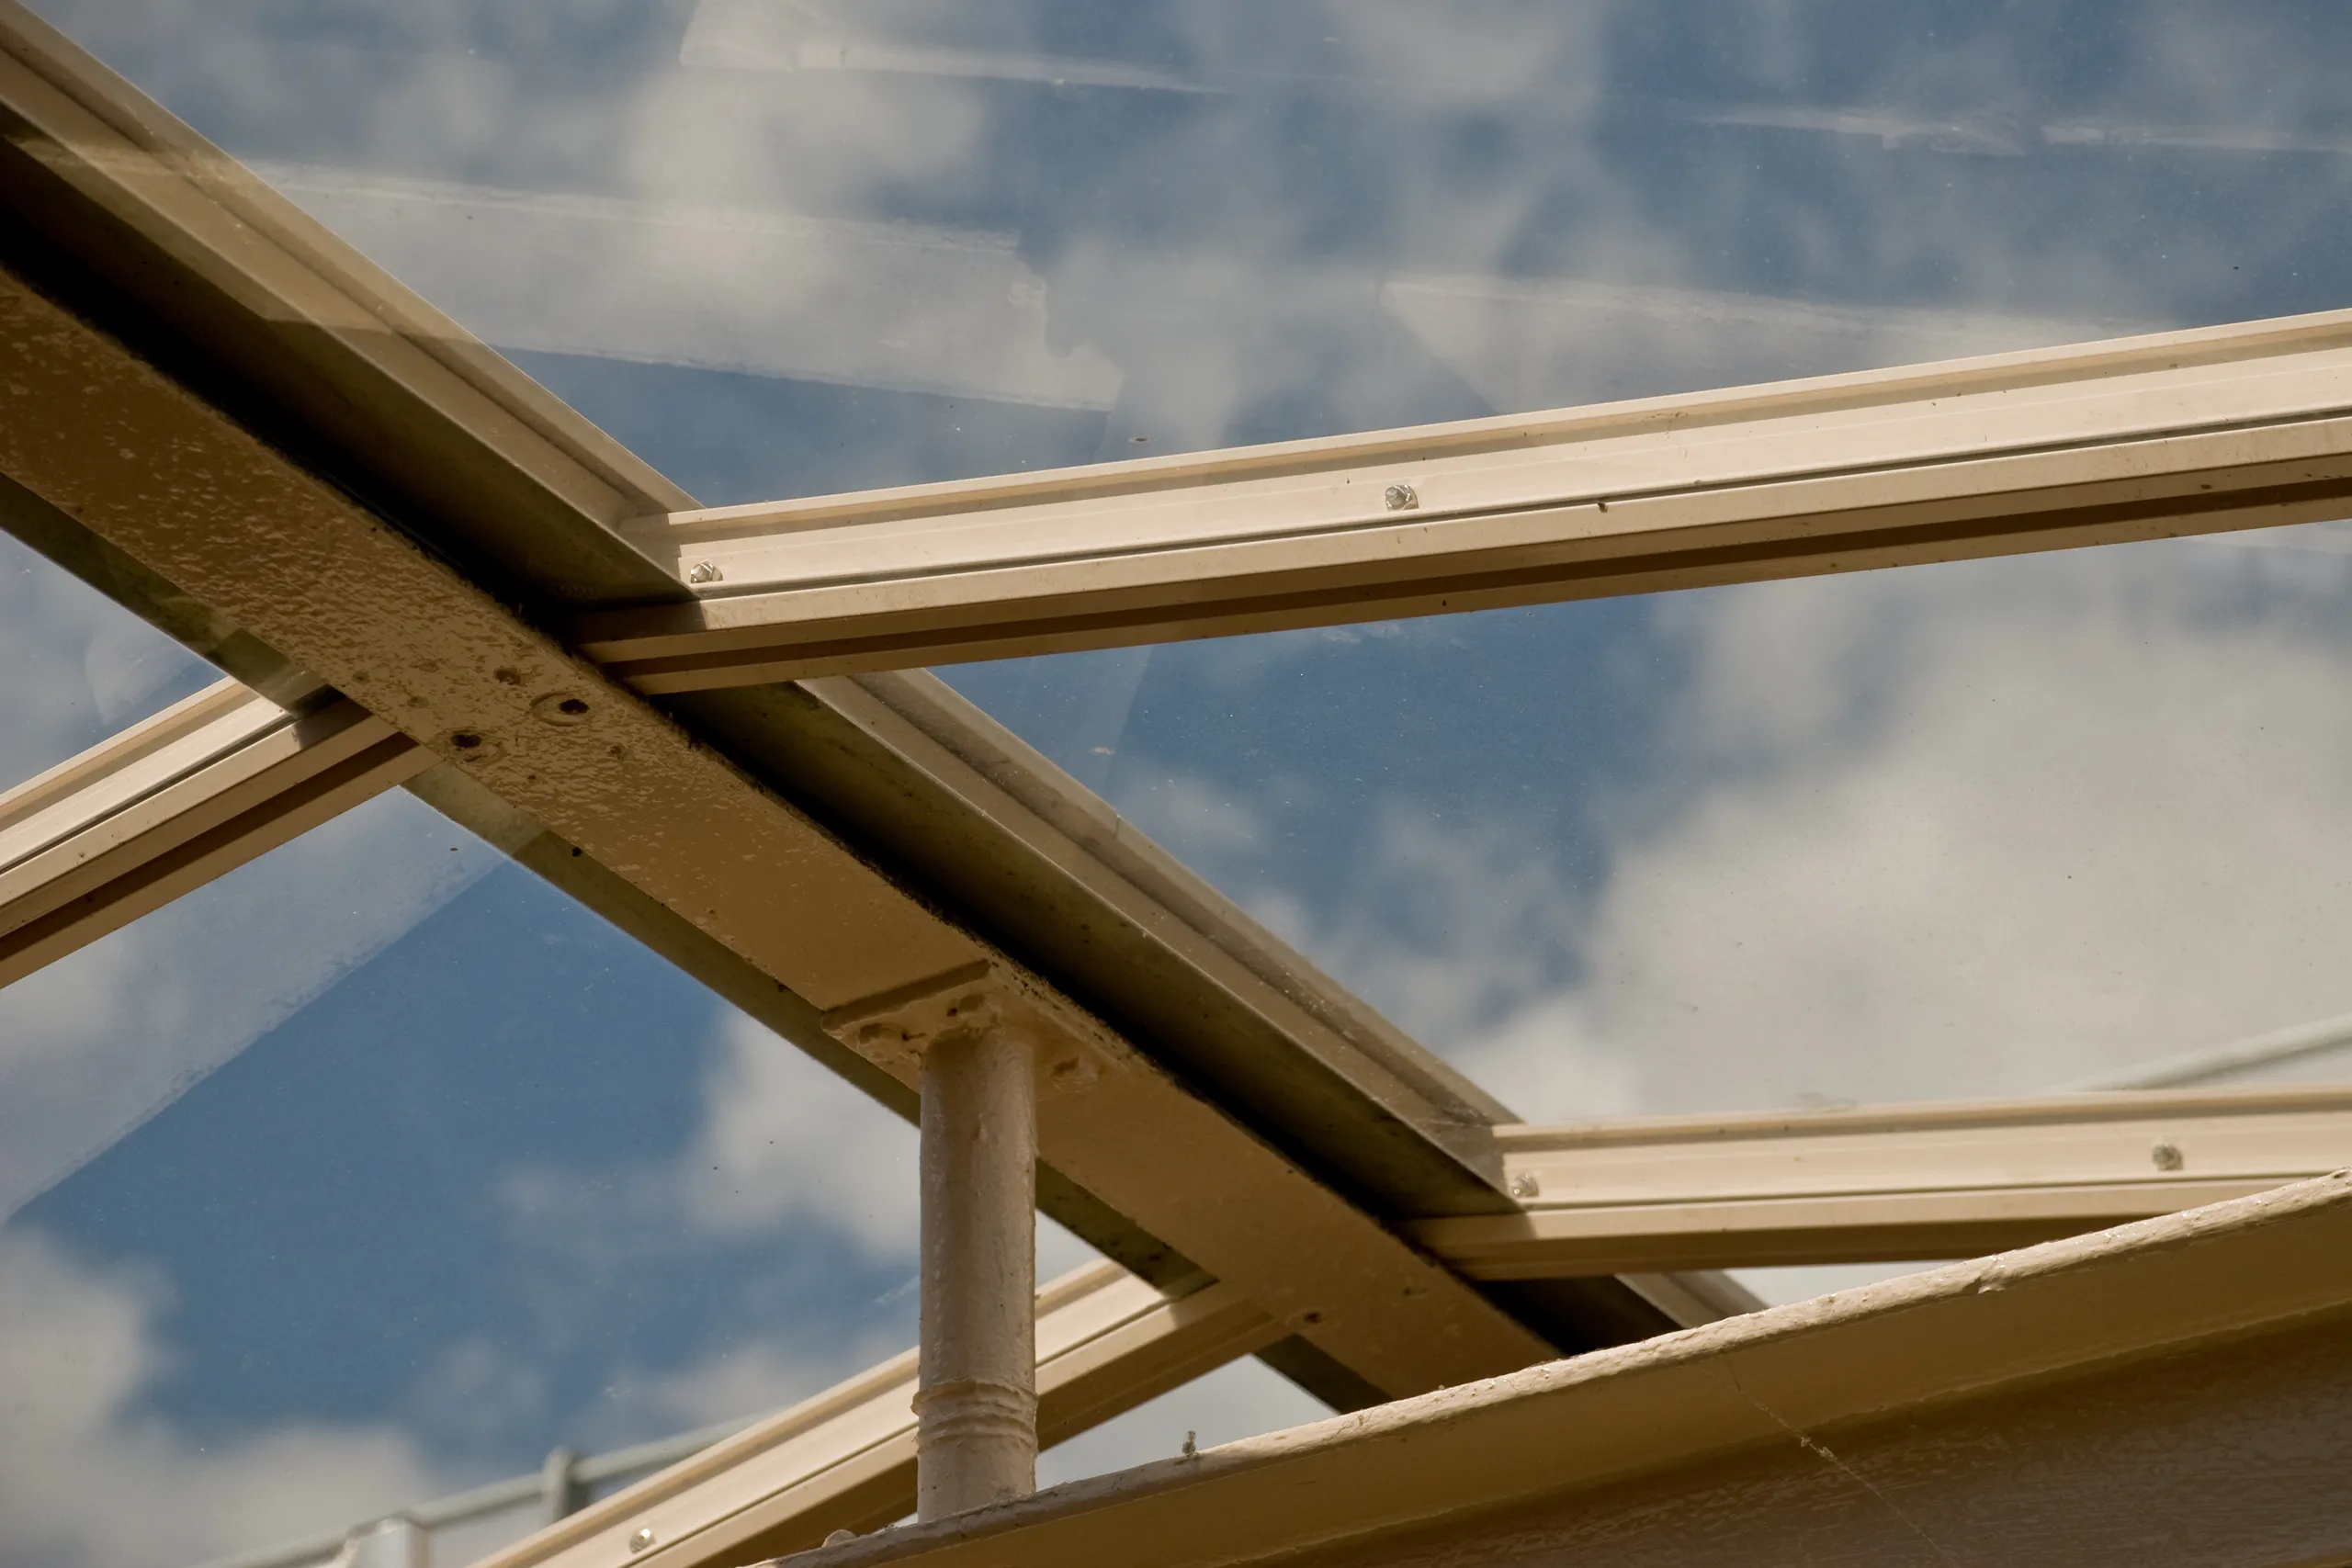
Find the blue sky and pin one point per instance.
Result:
(378, 1168)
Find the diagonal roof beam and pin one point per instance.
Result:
(173, 484)
(378, 409)
(2242, 426)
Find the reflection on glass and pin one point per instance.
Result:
(78, 667)
(789, 246)
(354, 1179)
(1980, 828)
(378, 1168)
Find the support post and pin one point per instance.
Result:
(976, 1401)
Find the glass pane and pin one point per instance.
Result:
(1974, 830)
(790, 246)
(1958, 830)
(378, 1168)
(78, 667)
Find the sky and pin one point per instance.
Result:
(376, 1169)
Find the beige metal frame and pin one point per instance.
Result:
(170, 803)
(2193, 432)
(1879, 1183)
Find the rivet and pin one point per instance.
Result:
(2167, 1155)
(1525, 1185)
(1400, 498)
(703, 571)
(642, 1539)
(840, 1536)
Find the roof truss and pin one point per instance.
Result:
(517, 702)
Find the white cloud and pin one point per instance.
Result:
(915, 308)
(1543, 1062)
(752, 1380)
(1441, 926)
(1558, 344)
(782, 1138)
(780, 1141)
(87, 1478)
(1967, 830)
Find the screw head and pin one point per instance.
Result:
(703, 571)
(642, 1539)
(2166, 1156)
(1525, 1185)
(1401, 497)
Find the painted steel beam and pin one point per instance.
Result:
(299, 556)
(1881, 1183)
(173, 802)
(844, 1460)
(2175, 1391)
(2184, 432)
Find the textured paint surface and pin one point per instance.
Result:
(113, 446)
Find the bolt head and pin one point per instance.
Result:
(1401, 497)
(1525, 1185)
(703, 571)
(642, 1539)
(2166, 1156)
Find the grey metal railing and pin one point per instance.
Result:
(560, 1486)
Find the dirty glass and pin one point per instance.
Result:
(378, 1168)
(371, 1173)
(348, 1206)
(1949, 831)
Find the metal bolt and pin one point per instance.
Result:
(642, 1539)
(703, 571)
(1400, 498)
(1525, 1184)
(2167, 1156)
